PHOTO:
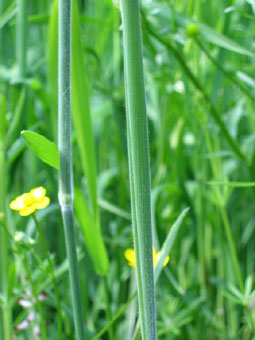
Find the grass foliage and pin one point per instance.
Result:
(199, 81)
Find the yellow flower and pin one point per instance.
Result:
(130, 256)
(29, 202)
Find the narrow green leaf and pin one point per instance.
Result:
(38, 18)
(12, 279)
(248, 286)
(3, 123)
(113, 209)
(167, 246)
(8, 14)
(233, 184)
(17, 116)
(52, 74)
(221, 40)
(81, 110)
(92, 234)
(46, 150)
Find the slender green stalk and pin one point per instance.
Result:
(51, 267)
(2, 8)
(4, 262)
(21, 34)
(138, 151)
(65, 151)
(6, 309)
(232, 248)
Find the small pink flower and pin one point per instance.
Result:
(37, 331)
(23, 325)
(25, 303)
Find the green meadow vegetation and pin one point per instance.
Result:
(127, 170)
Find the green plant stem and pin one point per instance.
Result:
(51, 267)
(138, 151)
(226, 73)
(21, 36)
(2, 8)
(232, 247)
(65, 152)
(4, 263)
(67, 214)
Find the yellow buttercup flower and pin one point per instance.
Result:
(130, 256)
(29, 202)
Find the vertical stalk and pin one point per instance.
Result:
(65, 169)
(22, 37)
(2, 8)
(232, 248)
(138, 150)
(6, 312)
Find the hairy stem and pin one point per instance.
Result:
(22, 37)
(139, 169)
(4, 263)
(65, 151)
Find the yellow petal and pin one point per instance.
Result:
(28, 210)
(41, 204)
(38, 193)
(28, 199)
(154, 256)
(158, 256)
(166, 261)
(18, 203)
(130, 256)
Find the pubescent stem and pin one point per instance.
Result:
(138, 151)
(67, 214)
(6, 311)
(21, 37)
(65, 152)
